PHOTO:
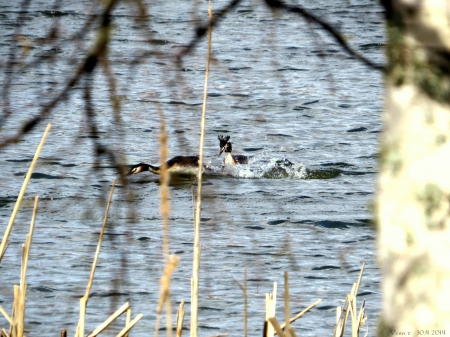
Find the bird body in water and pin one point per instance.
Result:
(225, 146)
(183, 165)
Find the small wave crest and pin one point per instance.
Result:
(269, 167)
(263, 166)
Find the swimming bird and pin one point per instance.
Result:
(187, 165)
(225, 146)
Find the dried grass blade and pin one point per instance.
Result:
(276, 326)
(128, 319)
(164, 296)
(109, 320)
(361, 316)
(300, 314)
(129, 326)
(180, 319)
(196, 259)
(97, 252)
(16, 312)
(82, 317)
(27, 245)
(5, 314)
(292, 332)
(22, 192)
(165, 209)
(340, 324)
(359, 278)
(271, 301)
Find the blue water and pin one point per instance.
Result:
(281, 87)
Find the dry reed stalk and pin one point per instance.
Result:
(5, 314)
(273, 322)
(4, 333)
(63, 333)
(94, 263)
(18, 316)
(164, 296)
(357, 322)
(196, 259)
(15, 312)
(292, 332)
(300, 314)
(129, 326)
(22, 192)
(338, 314)
(26, 246)
(362, 317)
(164, 190)
(99, 244)
(194, 289)
(109, 320)
(82, 317)
(165, 209)
(128, 319)
(180, 319)
(21, 316)
(344, 311)
(271, 302)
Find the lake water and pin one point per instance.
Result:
(280, 87)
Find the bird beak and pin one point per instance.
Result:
(221, 150)
(134, 170)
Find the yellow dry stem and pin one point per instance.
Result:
(22, 192)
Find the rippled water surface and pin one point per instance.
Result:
(284, 91)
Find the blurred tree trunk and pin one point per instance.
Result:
(413, 206)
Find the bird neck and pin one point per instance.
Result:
(228, 158)
(154, 169)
